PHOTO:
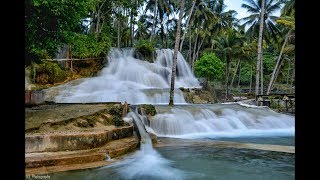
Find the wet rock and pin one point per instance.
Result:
(82, 123)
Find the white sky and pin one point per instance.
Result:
(236, 5)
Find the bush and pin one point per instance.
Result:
(117, 121)
(84, 46)
(209, 66)
(148, 109)
(116, 111)
(47, 73)
(146, 48)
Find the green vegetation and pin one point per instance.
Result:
(209, 66)
(116, 111)
(47, 73)
(148, 109)
(89, 28)
(117, 121)
(86, 46)
(146, 49)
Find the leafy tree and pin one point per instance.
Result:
(47, 21)
(228, 48)
(210, 67)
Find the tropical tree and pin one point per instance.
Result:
(209, 66)
(261, 17)
(287, 19)
(48, 22)
(228, 48)
(175, 54)
(254, 7)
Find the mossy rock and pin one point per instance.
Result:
(148, 109)
(145, 48)
(117, 121)
(116, 111)
(47, 73)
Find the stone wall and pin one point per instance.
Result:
(62, 142)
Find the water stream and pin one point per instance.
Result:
(126, 78)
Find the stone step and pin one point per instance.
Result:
(53, 142)
(112, 149)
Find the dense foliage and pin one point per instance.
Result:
(209, 66)
(88, 28)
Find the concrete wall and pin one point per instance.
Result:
(62, 142)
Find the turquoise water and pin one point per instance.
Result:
(200, 161)
(278, 140)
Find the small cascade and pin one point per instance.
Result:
(135, 81)
(146, 143)
(146, 163)
(220, 120)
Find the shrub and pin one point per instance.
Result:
(209, 66)
(146, 48)
(117, 121)
(47, 72)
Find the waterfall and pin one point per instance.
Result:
(146, 143)
(146, 163)
(220, 120)
(126, 78)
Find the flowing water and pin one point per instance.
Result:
(220, 121)
(191, 129)
(126, 78)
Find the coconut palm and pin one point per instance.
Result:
(289, 23)
(261, 17)
(254, 7)
(175, 54)
(228, 47)
(161, 10)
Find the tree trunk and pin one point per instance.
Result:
(197, 54)
(118, 34)
(288, 76)
(235, 73)
(227, 79)
(250, 78)
(261, 74)
(273, 77)
(190, 50)
(154, 20)
(175, 54)
(187, 25)
(260, 47)
(292, 78)
(131, 25)
(239, 77)
(194, 52)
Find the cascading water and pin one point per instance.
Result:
(220, 120)
(146, 163)
(135, 81)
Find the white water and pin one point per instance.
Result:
(135, 81)
(146, 163)
(220, 120)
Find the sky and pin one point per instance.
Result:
(236, 5)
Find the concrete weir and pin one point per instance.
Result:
(74, 141)
(56, 141)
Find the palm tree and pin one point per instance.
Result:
(228, 47)
(253, 21)
(248, 50)
(202, 21)
(289, 23)
(175, 54)
(161, 9)
(187, 24)
(261, 11)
